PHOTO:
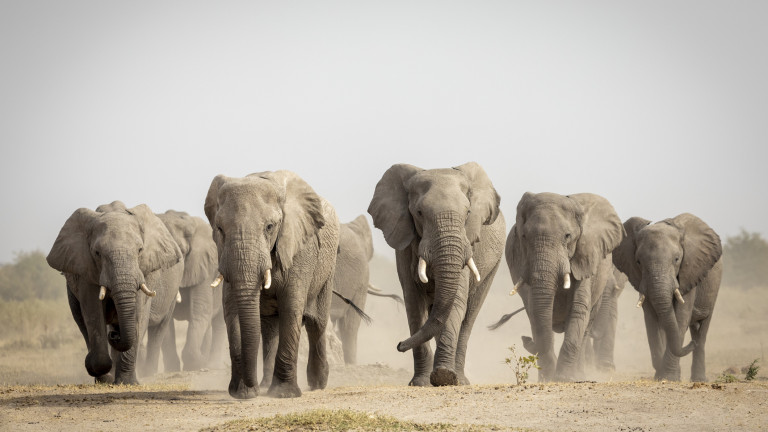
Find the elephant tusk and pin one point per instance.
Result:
(567, 281)
(640, 300)
(473, 267)
(267, 279)
(423, 270)
(178, 297)
(147, 291)
(102, 292)
(514, 290)
(679, 296)
(217, 281)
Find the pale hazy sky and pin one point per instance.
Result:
(660, 106)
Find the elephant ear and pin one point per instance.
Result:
(363, 230)
(202, 258)
(516, 260)
(71, 252)
(624, 255)
(483, 198)
(160, 251)
(701, 249)
(211, 206)
(113, 206)
(620, 278)
(601, 232)
(389, 206)
(302, 214)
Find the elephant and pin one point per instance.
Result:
(602, 335)
(675, 264)
(559, 241)
(110, 258)
(276, 241)
(200, 303)
(351, 280)
(447, 231)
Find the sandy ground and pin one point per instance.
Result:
(186, 401)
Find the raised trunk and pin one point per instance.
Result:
(448, 261)
(661, 299)
(125, 305)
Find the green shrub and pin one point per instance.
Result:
(30, 277)
(521, 365)
(752, 370)
(745, 258)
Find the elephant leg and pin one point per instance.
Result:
(655, 338)
(218, 341)
(444, 370)
(284, 381)
(575, 330)
(699, 335)
(200, 308)
(671, 362)
(349, 326)
(125, 366)
(171, 361)
(269, 337)
(475, 301)
(155, 336)
(416, 312)
(237, 387)
(317, 364)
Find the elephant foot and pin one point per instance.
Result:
(238, 389)
(698, 378)
(420, 381)
(266, 383)
(104, 379)
(463, 380)
(127, 379)
(606, 366)
(319, 380)
(443, 377)
(529, 345)
(284, 390)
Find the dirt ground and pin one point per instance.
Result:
(47, 389)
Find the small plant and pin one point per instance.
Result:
(752, 370)
(521, 365)
(726, 378)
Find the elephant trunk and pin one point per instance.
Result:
(246, 276)
(547, 270)
(125, 305)
(661, 299)
(448, 258)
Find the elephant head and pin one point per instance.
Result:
(556, 237)
(664, 261)
(260, 222)
(194, 237)
(438, 214)
(113, 248)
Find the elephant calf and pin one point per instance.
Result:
(351, 280)
(123, 271)
(675, 266)
(447, 231)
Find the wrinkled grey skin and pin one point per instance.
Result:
(200, 305)
(351, 279)
(446, 217)
(120, 249)
(554, 236)
(275, 221)
(602, 338)
(678, 253)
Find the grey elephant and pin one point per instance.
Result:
(123, 271)
(675, 265)
(559, 256)
(351, 280)
(602, 334)
(200, 303)
(447, 231)
(277, 241)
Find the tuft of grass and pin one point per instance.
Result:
(725, 377)
(338, 421)
(752, 370)
(521, 365)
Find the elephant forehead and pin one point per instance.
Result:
(440, 179)
(116, 230)
(658, 238)
(249, 192)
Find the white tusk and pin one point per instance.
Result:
(423, 270)
(567, 281)
(178, 297)
(679, 296)
(147, 291)
(514, 290)
(102, 292)
(217, 281)
(267, 279)
(640, 300)
(473, 267)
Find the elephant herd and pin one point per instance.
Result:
(273, 258)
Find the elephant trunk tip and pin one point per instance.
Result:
(403, 347)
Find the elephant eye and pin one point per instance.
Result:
(141, 249)
(97, 253)
(418, 212)
(567, 236)
(269, 227)
(677, 259)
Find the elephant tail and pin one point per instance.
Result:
(504, 319)
(372, 290)
(359, 311)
